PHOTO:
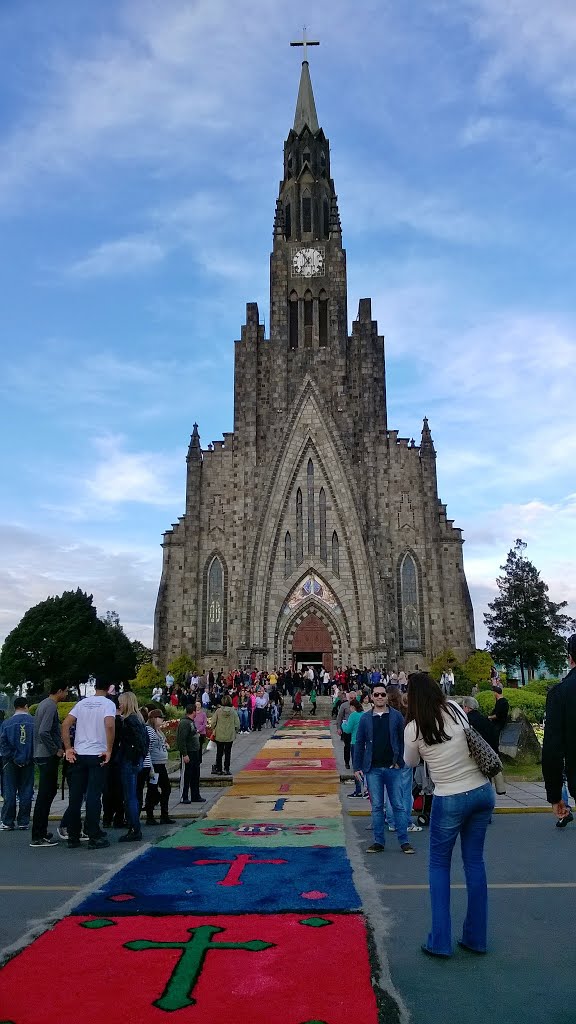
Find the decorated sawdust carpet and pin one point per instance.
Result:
(249, 915)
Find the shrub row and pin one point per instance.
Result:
(531, 704)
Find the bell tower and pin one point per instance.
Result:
(308, 266)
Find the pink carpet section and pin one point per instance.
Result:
(261, 968)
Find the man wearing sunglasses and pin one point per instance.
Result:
(378, 755)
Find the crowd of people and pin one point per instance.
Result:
(403, 736)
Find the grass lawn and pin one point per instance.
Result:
(523, 771)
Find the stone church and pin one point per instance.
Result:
(312, 532)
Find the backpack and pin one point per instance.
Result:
(135, 739)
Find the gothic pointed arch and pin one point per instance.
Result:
(322, 525)
(308, 318)
(410, 603)
(310, 508)
(215, 604)
(299, 528)
(322, 319)
(293, 320)
(335, 554)
(311, 595)
(287, 555)
(311, 433)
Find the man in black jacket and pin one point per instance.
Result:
(500, 712)
(559, 746)
(480, 722)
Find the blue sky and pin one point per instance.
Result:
(140, 155)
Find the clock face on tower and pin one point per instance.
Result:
(308, 262)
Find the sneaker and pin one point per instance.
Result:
(44, 842)
(97, 844)
(564, 821)
(414, 828)
(6, 828)
(23, 828)
(365, 796)
(354, 796)
(391, 828)
(83, 837)
(62, 832)
(406, 848)
(376, 848)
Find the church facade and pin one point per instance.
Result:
(312, 532)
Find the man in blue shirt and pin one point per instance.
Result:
(17, 751)
(378, 755)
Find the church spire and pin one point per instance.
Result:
(194, 449)
(426, 443)
(305, 106)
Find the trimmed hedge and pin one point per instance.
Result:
(540, 686)
(531, 704)
(63, 708)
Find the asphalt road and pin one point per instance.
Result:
(528, 975)
(36, 883)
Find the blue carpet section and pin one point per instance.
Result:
(181, 882)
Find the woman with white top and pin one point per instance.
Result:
(462, 805)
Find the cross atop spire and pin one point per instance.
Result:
(305, 42)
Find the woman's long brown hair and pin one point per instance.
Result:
(426, 704)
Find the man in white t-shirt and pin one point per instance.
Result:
(87, 758)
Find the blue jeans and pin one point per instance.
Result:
(378, 781)
(407, 797)
(129, 775)
(357, 783)
(244, 723)
(465, 814)
(18, 782)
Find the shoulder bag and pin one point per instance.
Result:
(486, 759)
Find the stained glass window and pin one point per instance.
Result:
(215, 616)
(409, 604)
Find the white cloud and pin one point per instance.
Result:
(438, 215)
(120, 476)
(122, 256)
(547, 527)
(525, 37)
(142, 92)
(34, 566)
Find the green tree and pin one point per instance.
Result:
(180, 666)
(524, 625)
(147, 678)
(59, 640)
(442, 662)
(142, 654)
(477, 667)
(120, 660)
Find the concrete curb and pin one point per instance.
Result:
(497, 810)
